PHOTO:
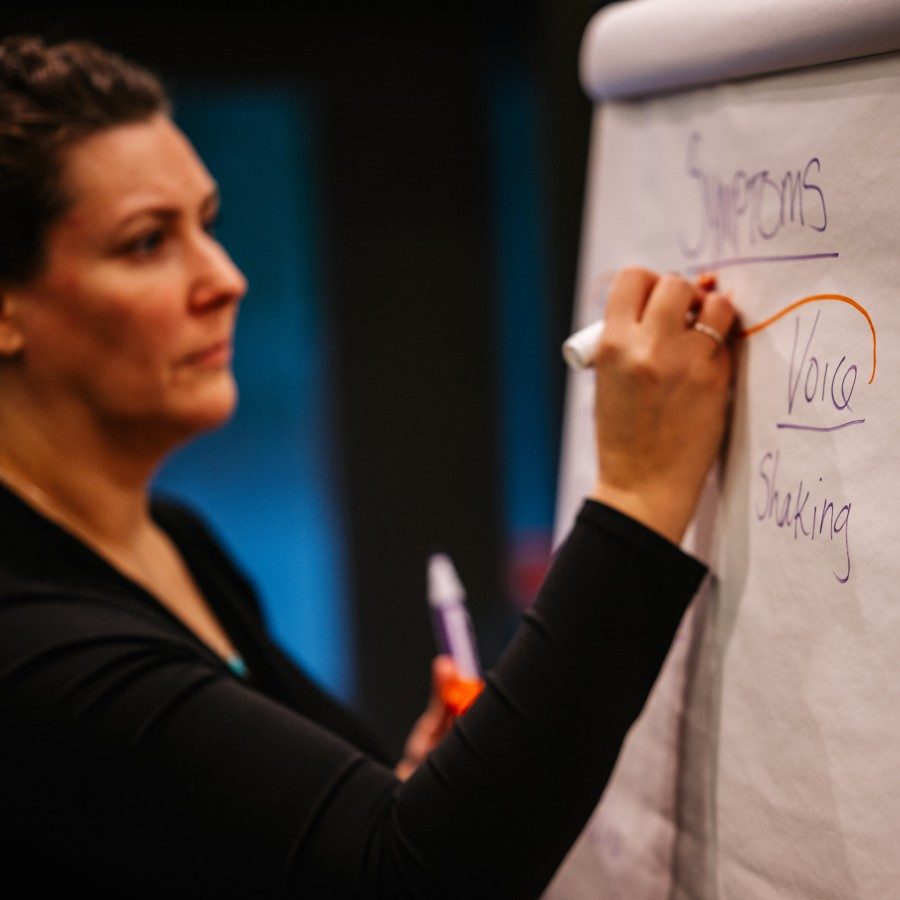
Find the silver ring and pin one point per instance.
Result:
(710, 332)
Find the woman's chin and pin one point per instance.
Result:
(224, 407)
(212, 409)
(180, 417)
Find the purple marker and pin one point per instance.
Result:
(451, 621)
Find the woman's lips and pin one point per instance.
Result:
(218, 354)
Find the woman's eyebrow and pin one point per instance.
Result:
(171, 211)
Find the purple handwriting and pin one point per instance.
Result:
(796, 426)
(789, 511)
(743, 208)
(707, 265)
(819, 390)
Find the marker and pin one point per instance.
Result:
(579, 349)
(454, 633)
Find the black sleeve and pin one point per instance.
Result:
(136, 759)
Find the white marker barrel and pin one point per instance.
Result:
(578, 351)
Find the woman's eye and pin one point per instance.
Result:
(210, 225)
(146, 244)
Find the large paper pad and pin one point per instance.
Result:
(765, 763)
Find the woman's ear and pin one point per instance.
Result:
(12, 339)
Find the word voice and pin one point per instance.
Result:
(827, 384)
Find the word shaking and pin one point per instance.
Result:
(788, 510)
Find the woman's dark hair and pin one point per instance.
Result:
(51, 96)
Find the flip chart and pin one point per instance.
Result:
(765, 762)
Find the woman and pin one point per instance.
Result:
(156, 741)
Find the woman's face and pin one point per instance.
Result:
(130, 321)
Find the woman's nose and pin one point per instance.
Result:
(219, 281)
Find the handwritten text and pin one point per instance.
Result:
(743, 208)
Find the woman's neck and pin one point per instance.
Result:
(98, 490)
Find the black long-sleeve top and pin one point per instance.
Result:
(134, 763)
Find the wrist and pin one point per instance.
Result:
(666, 512)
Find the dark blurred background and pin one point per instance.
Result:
(403, 189)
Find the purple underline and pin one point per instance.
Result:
(820, 427)
(747, 260)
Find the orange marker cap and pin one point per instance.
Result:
(459, 694)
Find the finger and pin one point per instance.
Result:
(716, 313)
(628, 295)
(670, 302)
(430, 727)
(443, 667)
(419, 741)
(443, 671)
(706, 281)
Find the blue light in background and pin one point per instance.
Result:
(523, 322)
(268, 481)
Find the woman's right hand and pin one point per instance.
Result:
(661, 396)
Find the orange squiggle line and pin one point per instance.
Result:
(816, 298)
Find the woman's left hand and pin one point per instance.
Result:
(433, 724)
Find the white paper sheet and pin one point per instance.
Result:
(766, 762)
